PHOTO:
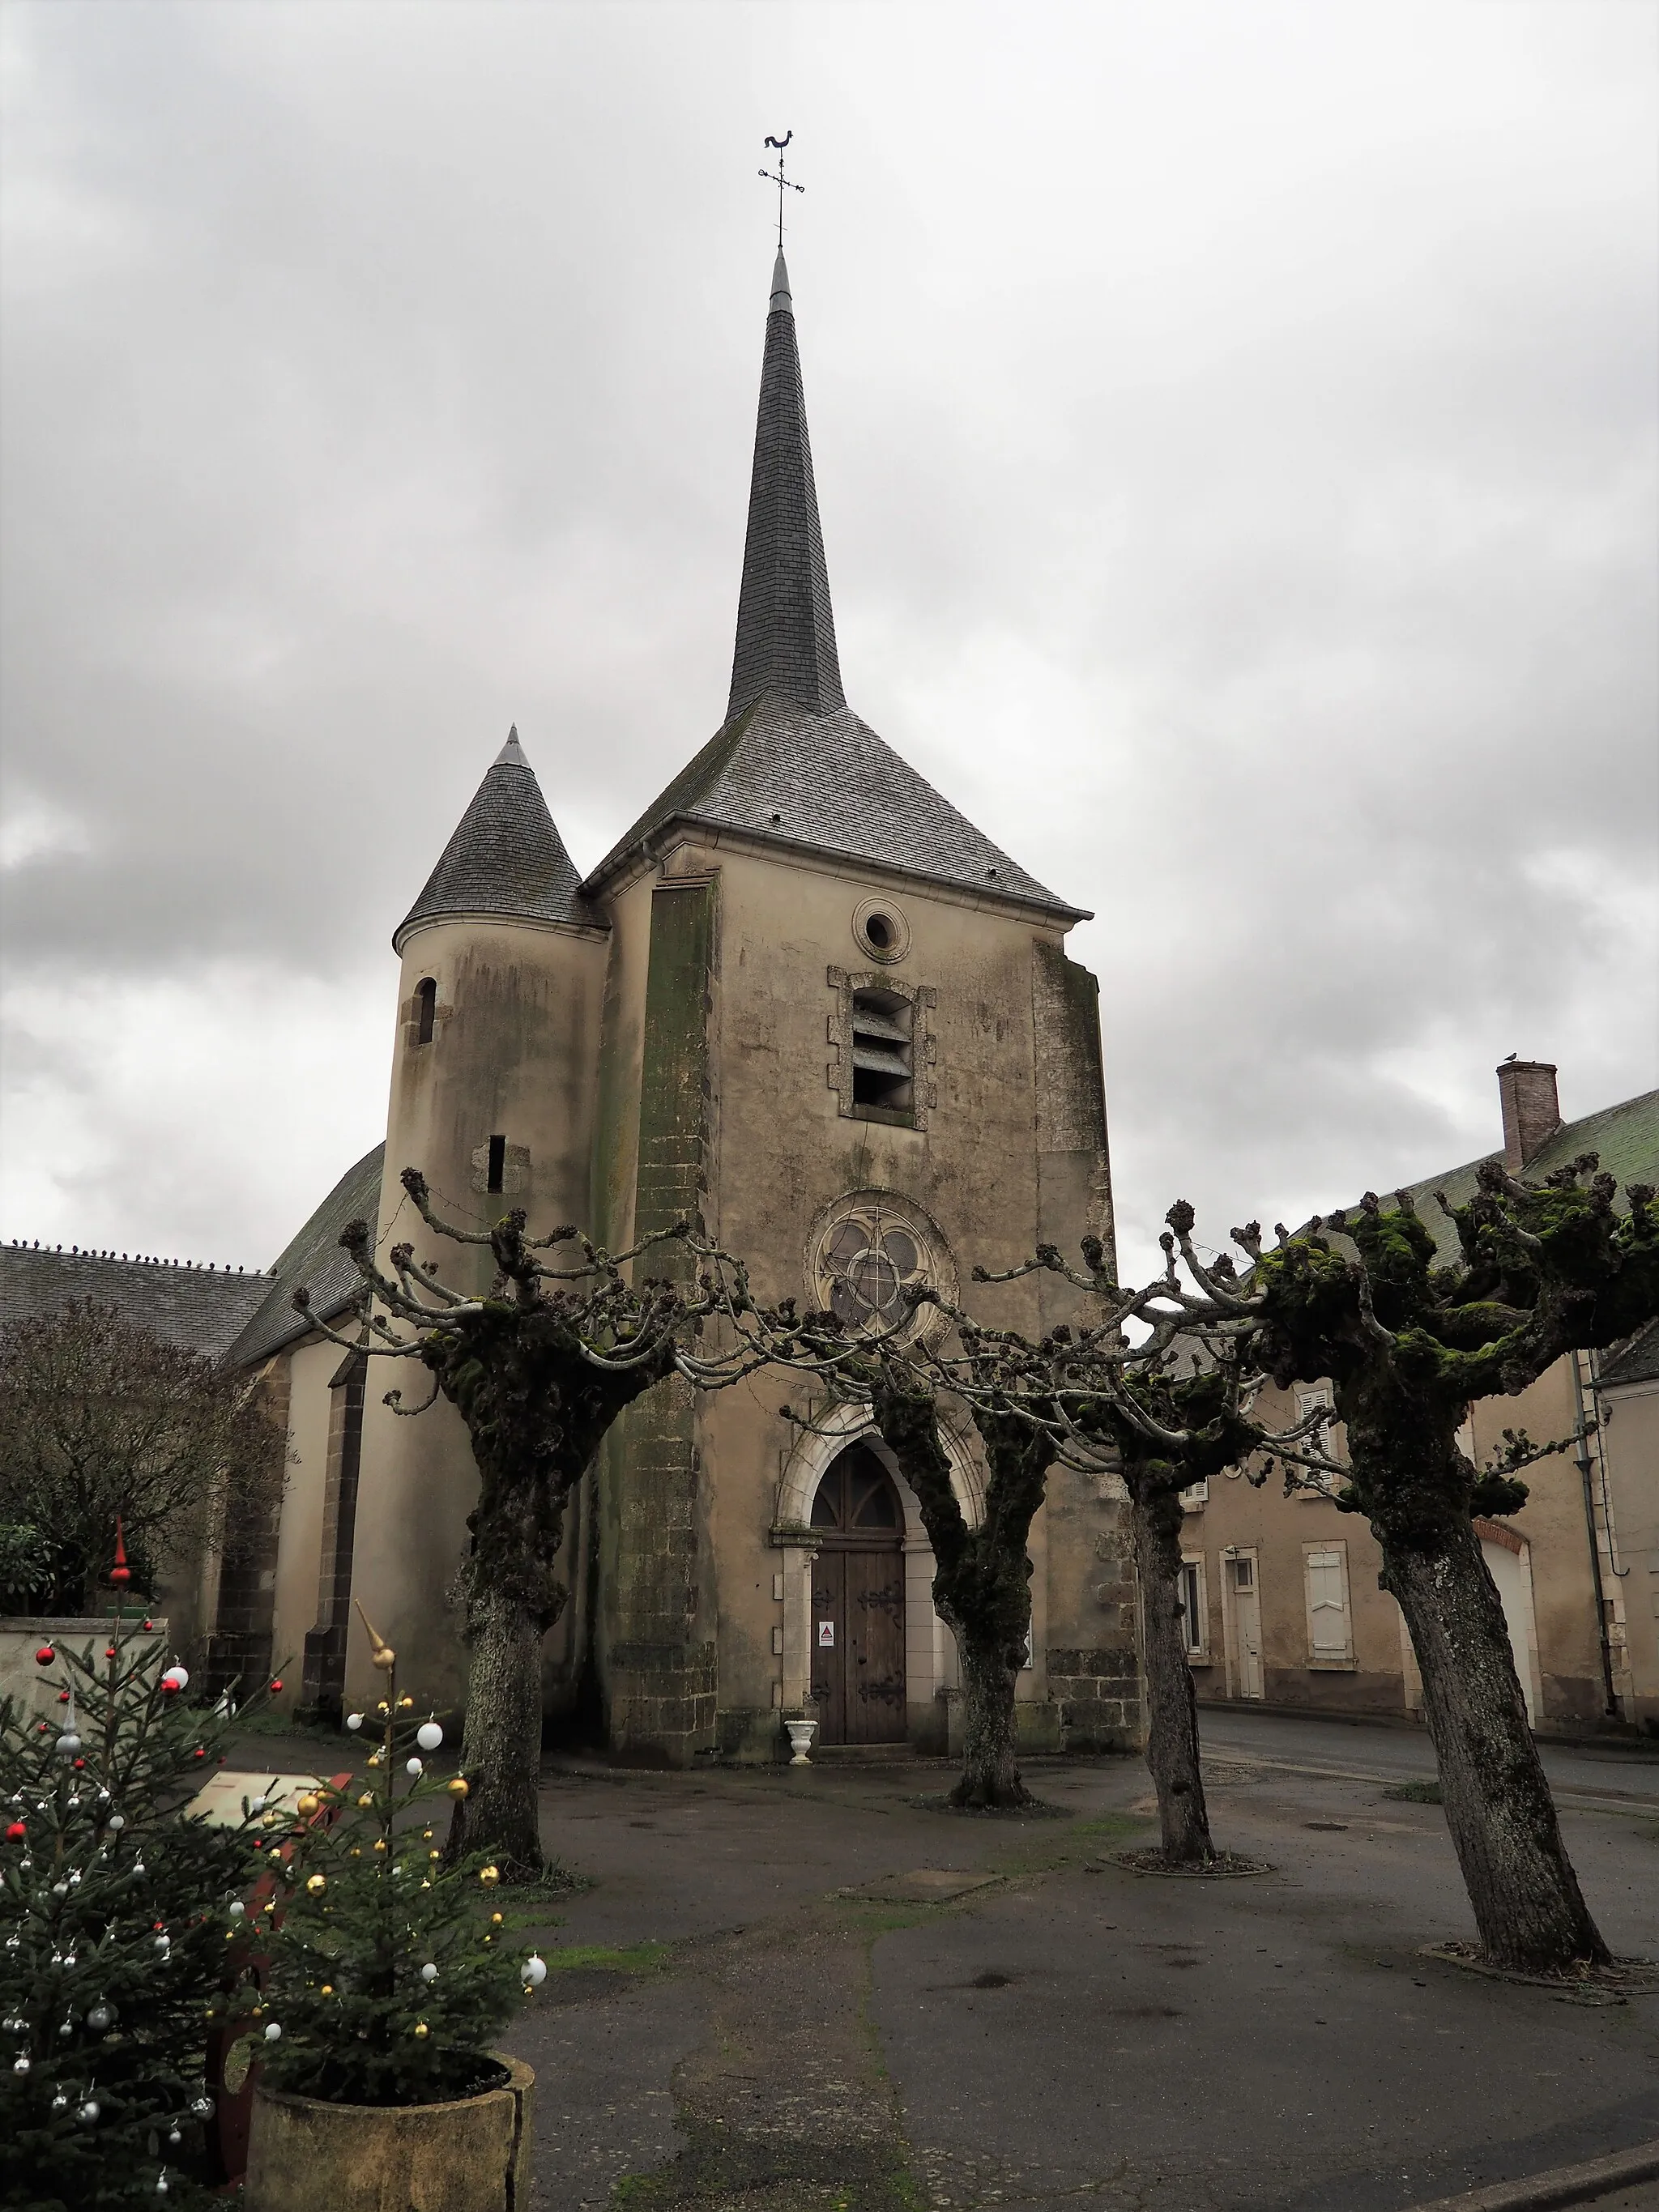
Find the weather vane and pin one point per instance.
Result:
(784, 183)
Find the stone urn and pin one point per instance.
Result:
(468, 2154)
(801, 1733)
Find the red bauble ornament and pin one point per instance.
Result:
(149, 1623)
(200, 1752)
(277, 1684)
(62, 1696)
(169, 1689)
(109, 1651)
(17, 1834)
(80, 1762)
(44, 1656)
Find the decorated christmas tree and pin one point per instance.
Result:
(390, 1971)
(113, 1917)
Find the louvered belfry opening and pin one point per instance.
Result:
(883, 1048)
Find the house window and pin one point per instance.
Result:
(884, 1071)
(1195, 1498)
(1195, 1617)
(868, 1250)
(1330, 1619)
(497, 1163)
(425, 1009)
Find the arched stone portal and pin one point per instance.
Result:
(930, 1652)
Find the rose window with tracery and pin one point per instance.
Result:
(869, 1251)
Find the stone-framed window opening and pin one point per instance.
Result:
(883, 1032)
(426, 1008)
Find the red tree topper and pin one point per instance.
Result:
(120, 1572)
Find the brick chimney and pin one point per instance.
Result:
(1531, 1111)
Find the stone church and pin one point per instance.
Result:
(806, 1002)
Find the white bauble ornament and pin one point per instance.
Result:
(256, 1805)
(178, 1676)
(428, 1735)
(414, 1766)
(99, 2018)
(88, 2112)
(138, 1866)
(116, 1821)
(428, 1972)
(19, 2065)
(353, 1721)
(238, 1910)
(273, 2033)
(534, 1973)
(162, 2179)
(203, 2107)
(68, 1744)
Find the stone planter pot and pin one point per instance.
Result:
(801, 1733)
(472, 2155)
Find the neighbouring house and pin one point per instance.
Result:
(1282, 1598)
(806, 1003)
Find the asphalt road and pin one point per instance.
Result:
(1615, 1770)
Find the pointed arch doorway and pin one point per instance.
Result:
(858, 1602)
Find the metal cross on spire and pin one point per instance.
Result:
(784, 183)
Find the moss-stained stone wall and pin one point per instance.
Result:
(657, 1652)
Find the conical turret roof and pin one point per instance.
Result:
(792, 762)
(506, 858)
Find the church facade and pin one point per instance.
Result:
(807, 1004)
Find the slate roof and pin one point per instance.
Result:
(1637, 1361)
(1625, 1137)
(827, 783)
(505, 857)
(792, 762)
(315, 1260)
(202, 1309)
(786, 639)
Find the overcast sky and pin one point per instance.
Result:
(1234, 428)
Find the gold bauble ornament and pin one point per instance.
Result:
(379, 1843)
(433, 1855)
(426, 1834)
(494, 1919)
(405, 1705)
(489, 1876)
(356, 1851)
(308, 1804)
(374, 1759)
(421, 2028)
(366, 1800)
(317, 1883)
(328, 1988)
(383, 1707)
(457, 1787)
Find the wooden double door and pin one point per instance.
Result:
(857, 1603)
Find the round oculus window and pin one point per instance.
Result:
(881, 929)
(869, 1251)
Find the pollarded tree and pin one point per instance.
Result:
(538, 1369)
(103, 1426)
(1409, 1345)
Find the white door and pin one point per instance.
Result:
(1247, 1624)
(1512, 1572)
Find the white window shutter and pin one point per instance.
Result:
(1330, 1627)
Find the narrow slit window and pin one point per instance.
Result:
(425, 1009)
(497, 1163)
(883, 1048)
(1191, 1587)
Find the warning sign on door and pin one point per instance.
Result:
(826, 1635)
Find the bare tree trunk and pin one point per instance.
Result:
(990, 1769)
(1528, 1907)
(501, 1750)
(1172, 1752)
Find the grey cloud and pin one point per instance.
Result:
(1236, 437)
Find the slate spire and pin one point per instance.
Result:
(785, 628)
(506, 858)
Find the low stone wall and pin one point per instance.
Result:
(34, 1689)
